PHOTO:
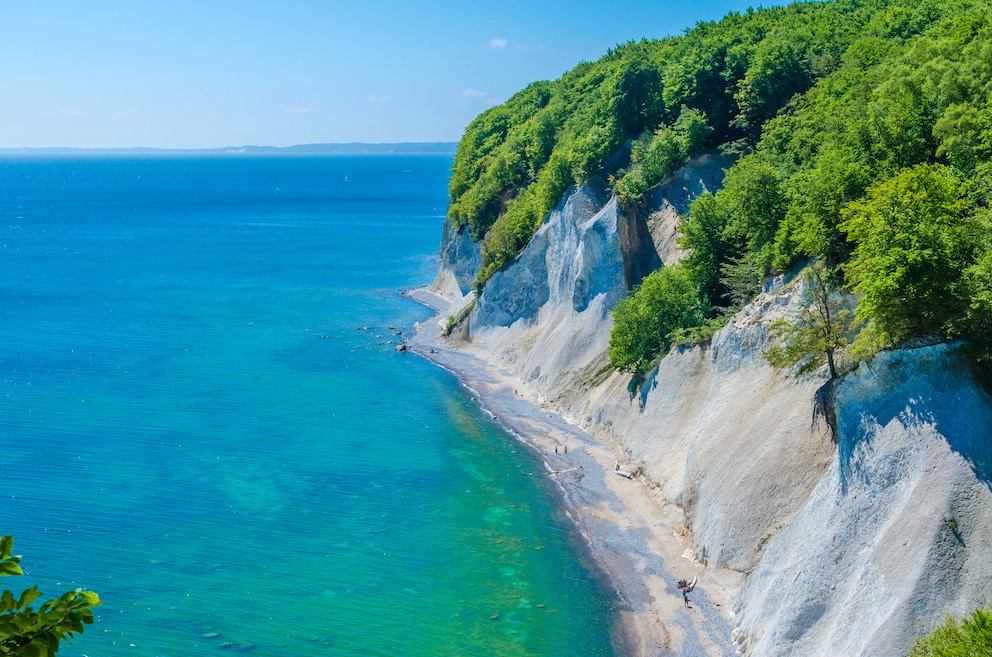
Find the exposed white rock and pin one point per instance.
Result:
(721, 433)
(547, 312)
(461, 259)
(671, 199)
(896, 533)
(851, 547)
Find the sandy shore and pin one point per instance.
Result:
(638, 542)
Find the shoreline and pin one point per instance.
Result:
(637, 542)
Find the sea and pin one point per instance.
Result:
(204, 418)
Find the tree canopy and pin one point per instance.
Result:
(715, 85)
(646, 322)
(913, 241)
(862, 137)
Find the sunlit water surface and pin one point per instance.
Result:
(204, 418)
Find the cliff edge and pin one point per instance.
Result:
(855, 531)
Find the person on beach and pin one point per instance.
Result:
(685, 586)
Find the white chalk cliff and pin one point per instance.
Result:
(853, 539)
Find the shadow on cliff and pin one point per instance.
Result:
(930, 389)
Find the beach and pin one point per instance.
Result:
(638, 542)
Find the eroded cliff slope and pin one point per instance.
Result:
(852, 542)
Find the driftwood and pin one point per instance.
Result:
(628, 474)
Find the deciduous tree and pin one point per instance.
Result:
(913, 241)
(643, 323)
(818, 331)
(26, 631)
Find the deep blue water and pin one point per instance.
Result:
(204, 419)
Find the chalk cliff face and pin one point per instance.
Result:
(896, 532)
(853, 543)
(547, 312)
(461, 259)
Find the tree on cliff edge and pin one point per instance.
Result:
(818, 331)
(914, 238)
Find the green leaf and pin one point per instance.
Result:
(10, 567)
(28, 596)
(90, 598)
(34, 649)
(25, 632)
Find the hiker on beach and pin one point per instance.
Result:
(685, 586)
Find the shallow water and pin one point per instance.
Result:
(204, 419)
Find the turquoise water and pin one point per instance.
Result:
(204, 419)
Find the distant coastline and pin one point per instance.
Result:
(351, 148)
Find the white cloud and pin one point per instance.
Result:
(496, 42)
(301, 110)
(474, 93)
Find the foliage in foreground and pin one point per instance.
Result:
(29, 632)
(971, 638)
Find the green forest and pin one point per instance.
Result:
(861, 136)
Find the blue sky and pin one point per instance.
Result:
(213, 73)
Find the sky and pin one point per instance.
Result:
(218, 73)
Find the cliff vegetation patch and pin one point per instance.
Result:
(862, 133)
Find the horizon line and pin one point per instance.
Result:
(327, 148)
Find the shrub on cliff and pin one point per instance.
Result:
(819, 330)
(971, 638)
(645, 323)
(655, 156)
